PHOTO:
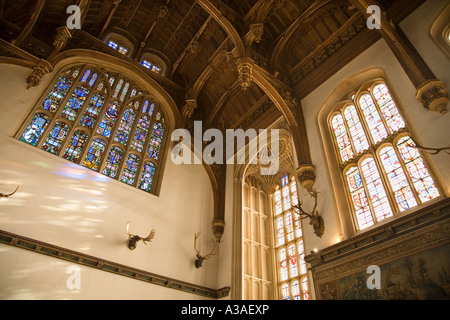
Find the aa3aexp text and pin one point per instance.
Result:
(230, 309)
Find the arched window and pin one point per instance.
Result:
(290, 251)
(384, 172)
(101, 121)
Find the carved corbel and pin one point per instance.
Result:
(245, 69)
(255, 34)
(189, 108)
(433, 95)
(40, 70)
(306, 176)
(218, 227)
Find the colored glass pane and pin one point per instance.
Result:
(92, 112)
(397, 179)
(109, 118)
(156, 141)
(57, 94)
(359, 198)
(75, 146)
(118, 87)
(295, 288)
(93, 79)
(112, 162)
(141, 134)
(297, 225)
(125, 126)
(388, 108)
(285, 291)
(130, 170)
(123, 50)
(75, 103)
(151, 110)
(286, 198)
(342, 138)
(293, 268)
(94, 154)
(85, 76)
(280, 231)
(375, 188)
(421, 179)
(113, 45)
(147, 64)
(305, 289)
(147, 177)
(294, 196)
(124, 91)
(301, 254)
(277, 197)
(373, 119)
(283, 265)
(356, 130)
(35, 129)
(289, 226)
(56, 137)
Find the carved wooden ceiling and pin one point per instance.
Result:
(303, 43)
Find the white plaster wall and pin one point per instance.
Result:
(431, 128)
(73, 207)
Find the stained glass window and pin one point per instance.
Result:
(397, 178)
(296, 290)
(356, 129)
(156, 141)
(35, 129)
(92, 112)
(388, 108)
(57, 94)
(289, 241)
(418, 172)
(91, 118)
(141, 134)
(75, 103)
(305, 289)
(112, 163)
(342, 138)
(125, 126)
(147, 64)
(109, 118)
(75, 146)
(94, 155)
(359, 198)
(377, 195)
(56, 137)
(130, 170)
(388, 177)
(147, 177)
(113, 45)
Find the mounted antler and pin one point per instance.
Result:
(315, 220)
(133, 239)
(2, 195)
(200, 258)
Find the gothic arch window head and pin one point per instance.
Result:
(383, 173)
(154, 63)
(289, 246)
(119, 43)
(103, 121)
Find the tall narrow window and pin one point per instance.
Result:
(289, 242)
(383, 170)
(101, 121)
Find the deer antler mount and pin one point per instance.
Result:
(200, 258)
(3, 195)
(315, 219)
(133, 239)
